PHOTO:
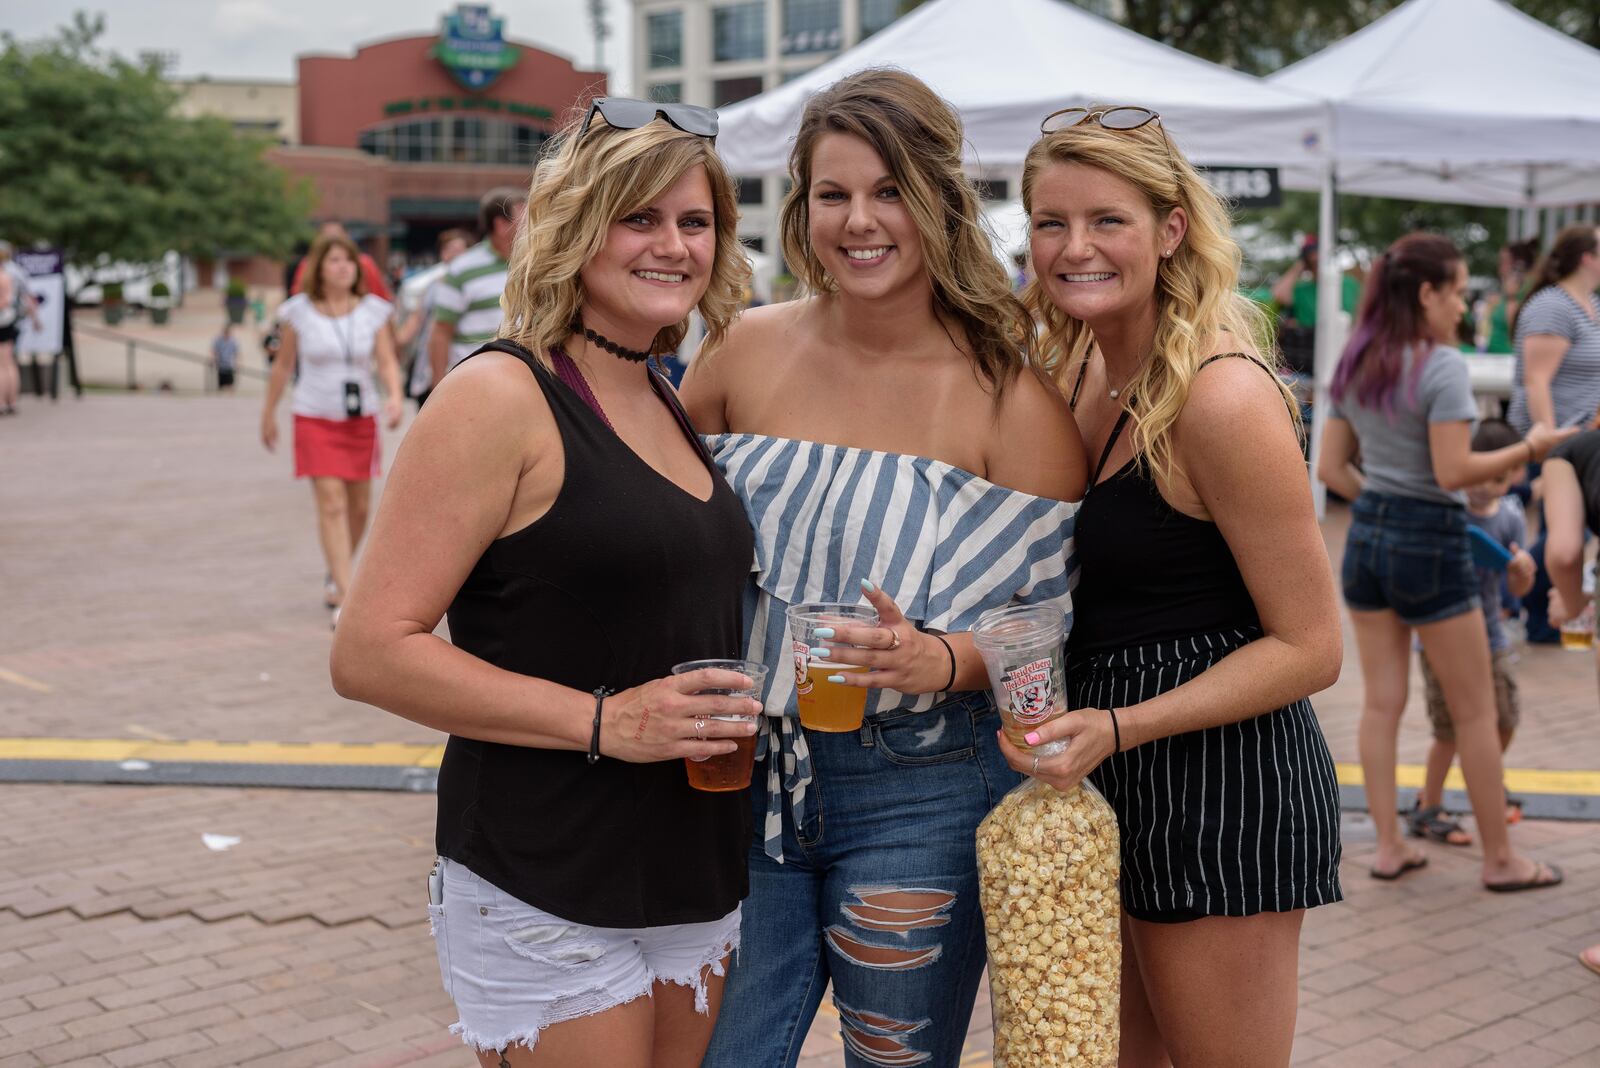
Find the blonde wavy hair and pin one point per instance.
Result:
(1197, 289)
(580, 187)
(919, 138)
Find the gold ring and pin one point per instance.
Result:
(894, 643)
(1036, 763)
(699, 725)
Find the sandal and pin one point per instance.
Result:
(1433, 824)
(1538, 882)
(1409, 864)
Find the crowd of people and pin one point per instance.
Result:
(919, 435)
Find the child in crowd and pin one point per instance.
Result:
(225, 357)
(1493, 509)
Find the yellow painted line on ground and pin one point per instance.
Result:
(26, 683)
(1518, 780)
(425, 755)
(117, 750)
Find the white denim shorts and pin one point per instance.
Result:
(513, 970)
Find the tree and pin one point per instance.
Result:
(94, 160)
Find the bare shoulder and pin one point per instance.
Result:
(758, 332)
(1036, 447)
(489, 403)
(1227, 391)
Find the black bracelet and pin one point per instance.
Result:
(1116, 731)
(952, 653)
(594, 739)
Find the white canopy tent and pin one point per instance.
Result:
(1006, 64)
(1461, 101)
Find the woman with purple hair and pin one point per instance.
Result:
(1401, 394)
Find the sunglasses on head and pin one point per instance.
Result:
(1115, 118)
(628, 114)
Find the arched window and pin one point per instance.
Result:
(455, 140)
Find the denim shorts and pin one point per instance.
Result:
(513, 970)
(1409, 556)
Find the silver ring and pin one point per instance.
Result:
(1036, 763)
(699, 725)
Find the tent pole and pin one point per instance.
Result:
(1324, 356)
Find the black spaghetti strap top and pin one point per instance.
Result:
(1148, 573)
(625, 576)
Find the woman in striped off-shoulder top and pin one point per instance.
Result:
(890, 441)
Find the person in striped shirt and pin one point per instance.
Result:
(466, 301)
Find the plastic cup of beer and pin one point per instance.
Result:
(1577, 633)
(1023, 648)
(730, 771)
(827, 706)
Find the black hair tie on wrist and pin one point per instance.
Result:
(952, 652)
(1116, 731)
(594, 739)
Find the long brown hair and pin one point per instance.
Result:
(311, 281)
(1392, 320)
(919, 138)
(1571, 245)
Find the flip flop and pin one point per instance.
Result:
(1433, 824)
(1536, 883)
(1590, 962)
(1409, 864)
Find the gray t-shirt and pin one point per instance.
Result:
(1575, 389)
(1395, 454)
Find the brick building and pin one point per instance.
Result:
(401, 138)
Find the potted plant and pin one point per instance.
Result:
(160, 303)
(236, 301)
(111, 306)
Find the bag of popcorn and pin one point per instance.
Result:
(1048, 865)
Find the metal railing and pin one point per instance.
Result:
(156, 348)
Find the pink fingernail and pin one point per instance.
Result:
(1032, 737)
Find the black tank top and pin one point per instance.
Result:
(625, 576)
(1147, 572)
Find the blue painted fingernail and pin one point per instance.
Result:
(822, 632)
(867, 587)
(836, 678)
(819, 653)
(1032, 737)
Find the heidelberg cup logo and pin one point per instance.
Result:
(1032, 694)
(473, 48)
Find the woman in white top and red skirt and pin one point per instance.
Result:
(337, 335)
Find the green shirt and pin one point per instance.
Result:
(1303, 308)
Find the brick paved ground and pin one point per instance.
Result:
(161, 578)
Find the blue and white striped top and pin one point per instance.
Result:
(944, 543)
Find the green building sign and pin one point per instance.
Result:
(473, 48)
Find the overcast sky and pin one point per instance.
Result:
(260, 38)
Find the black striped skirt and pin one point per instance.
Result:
(1226, 821)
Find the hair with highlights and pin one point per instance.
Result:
(919, 138)
(311, 281)
(583, 185)
(1391, 320)
(1196, 292)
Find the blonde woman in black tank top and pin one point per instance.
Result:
(1205, 612)
(554, 498)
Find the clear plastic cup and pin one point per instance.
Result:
(827, 706)
(1023, 648)
(731, 771)
(1578, 633)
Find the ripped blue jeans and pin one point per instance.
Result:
(878, 894)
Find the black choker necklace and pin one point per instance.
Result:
(610, 346)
